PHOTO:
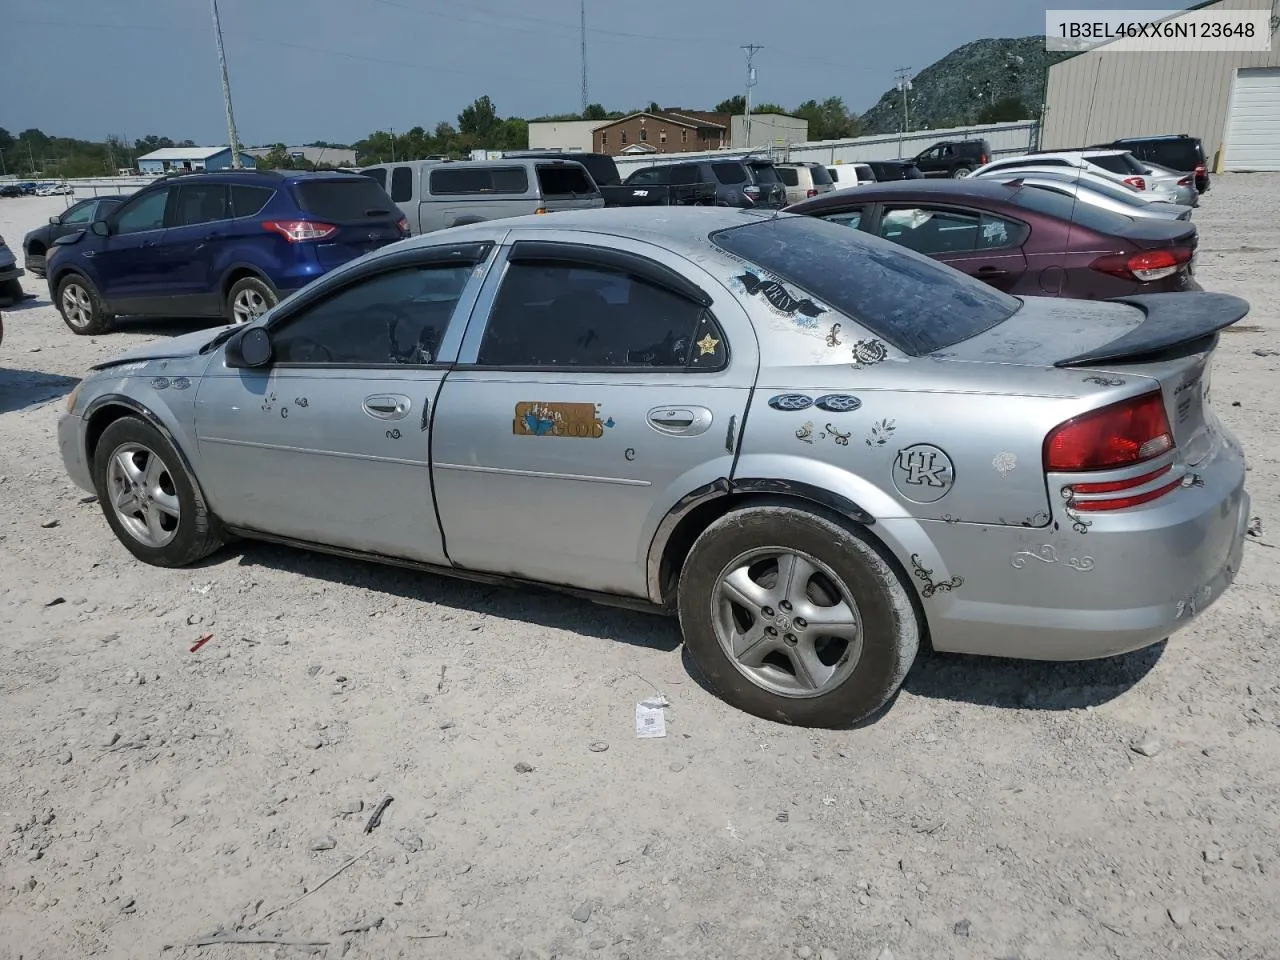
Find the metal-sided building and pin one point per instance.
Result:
(1229, 99)
(180, 159)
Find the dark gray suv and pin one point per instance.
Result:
(740, 182)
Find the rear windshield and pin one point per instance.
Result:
(820, 175)
(729, 173)
(789, 175)
(343, 201)
(1066, 208)
(764, 172)
(907, 299)
(566, 180)
(1183, 155)
(1122, 163)
(464, 178)
(602, 169)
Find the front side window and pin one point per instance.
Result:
(684, 173)
(402, 184)
(846, 218)
(144, 213)
(81, 212)
(931, 231)
(565, 315)
(645, 177)
(199, 203)
(394, 317)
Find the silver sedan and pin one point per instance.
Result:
(1096, 192)
(817, 448)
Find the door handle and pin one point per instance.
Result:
(991, 272)
(89, 253)
(680, 421)
(387, 406)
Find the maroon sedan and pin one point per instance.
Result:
(1020, 239)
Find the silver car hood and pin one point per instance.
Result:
(187, 345)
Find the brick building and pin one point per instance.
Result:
(671, 131)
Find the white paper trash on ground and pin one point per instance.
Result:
(650, 720)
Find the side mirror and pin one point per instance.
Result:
(252, 348)
(55, 220)
(100, 228)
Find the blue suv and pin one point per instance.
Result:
(230, 244)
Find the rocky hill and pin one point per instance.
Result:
(981, 82)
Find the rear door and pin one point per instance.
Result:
(601, 380)
(976, 242)
(566, 186)
(363, 215)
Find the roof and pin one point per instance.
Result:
(679, 119)
(965, 187)
(184, 153)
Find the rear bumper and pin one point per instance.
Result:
(1131, 579)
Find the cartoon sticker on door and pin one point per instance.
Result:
(540, 419)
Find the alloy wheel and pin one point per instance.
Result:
(77, 305)
(143, 495)
(248, 305)
(787, 622)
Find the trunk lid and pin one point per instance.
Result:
(362, 211)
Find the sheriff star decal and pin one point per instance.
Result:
(707, 345)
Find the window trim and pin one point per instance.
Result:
(135, 201)
(172, 208)
(482, 312)
(650, 271)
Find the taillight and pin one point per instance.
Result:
(1120, 435)
(1187, 181)
(811, 192)
(296, 231)
(403, 225)
(983, 159)
(1146, 266)
(1136, 182)
(540, 210)
(1201, 170)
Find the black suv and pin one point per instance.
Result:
(953, 158)
(748, 182)
(886, 170)
(1175, 151)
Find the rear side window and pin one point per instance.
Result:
(914, 303)
(198, 203)
(402, 184)
(1065, 208)
(343, 200)
(462, 179)
(684, 173)
(789, 175)
(569, 180)
(729, 173)
(646, 176)
(820, 176)
(247, 200)
(379, 176)
(1121, 163)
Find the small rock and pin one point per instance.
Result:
(1180, 914)
(409, 840)
(313, 670)
(464, 869)
(922, 888)
(89, 499)
(55, 601)
(323, 843)
(1148, 746)
(27, 885)
(783, 817)
(803, 952)
(130, 906)
(110, 738)
(361, 926)
(1212, 855)
(826, 953)
(583, 913)
(194, 619)
(597, 944)
(350, 807)
(961, 929)
(1247, 861)
(885, 954)
(864, 900)
(312, 743)
(676, 767)
(64, 758)
(523, 767)
(598, 746)
(49, 524)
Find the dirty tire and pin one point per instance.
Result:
(248, 299)
(197, 533)
(10, 292)
(961, 172)
(80, 305)
(889, 630)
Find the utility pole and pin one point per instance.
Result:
(903, 75)
(751, 50)
(393, 144)
(582, 10)
(226, 89)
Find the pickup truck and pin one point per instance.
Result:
(604, 172)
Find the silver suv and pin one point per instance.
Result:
(435, 194)
(804, 179)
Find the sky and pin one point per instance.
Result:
(335, 70)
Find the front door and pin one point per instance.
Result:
(197, 230)
(592, 392)
(130, 262)
(331, 443)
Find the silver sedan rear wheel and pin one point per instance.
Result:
(787, 622)
(143, 495)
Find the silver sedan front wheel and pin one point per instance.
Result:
(787, 621)
(143, 495)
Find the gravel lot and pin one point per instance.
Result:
(152, 796)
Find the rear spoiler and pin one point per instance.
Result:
(1171, 320)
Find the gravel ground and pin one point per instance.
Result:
(152, 796)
